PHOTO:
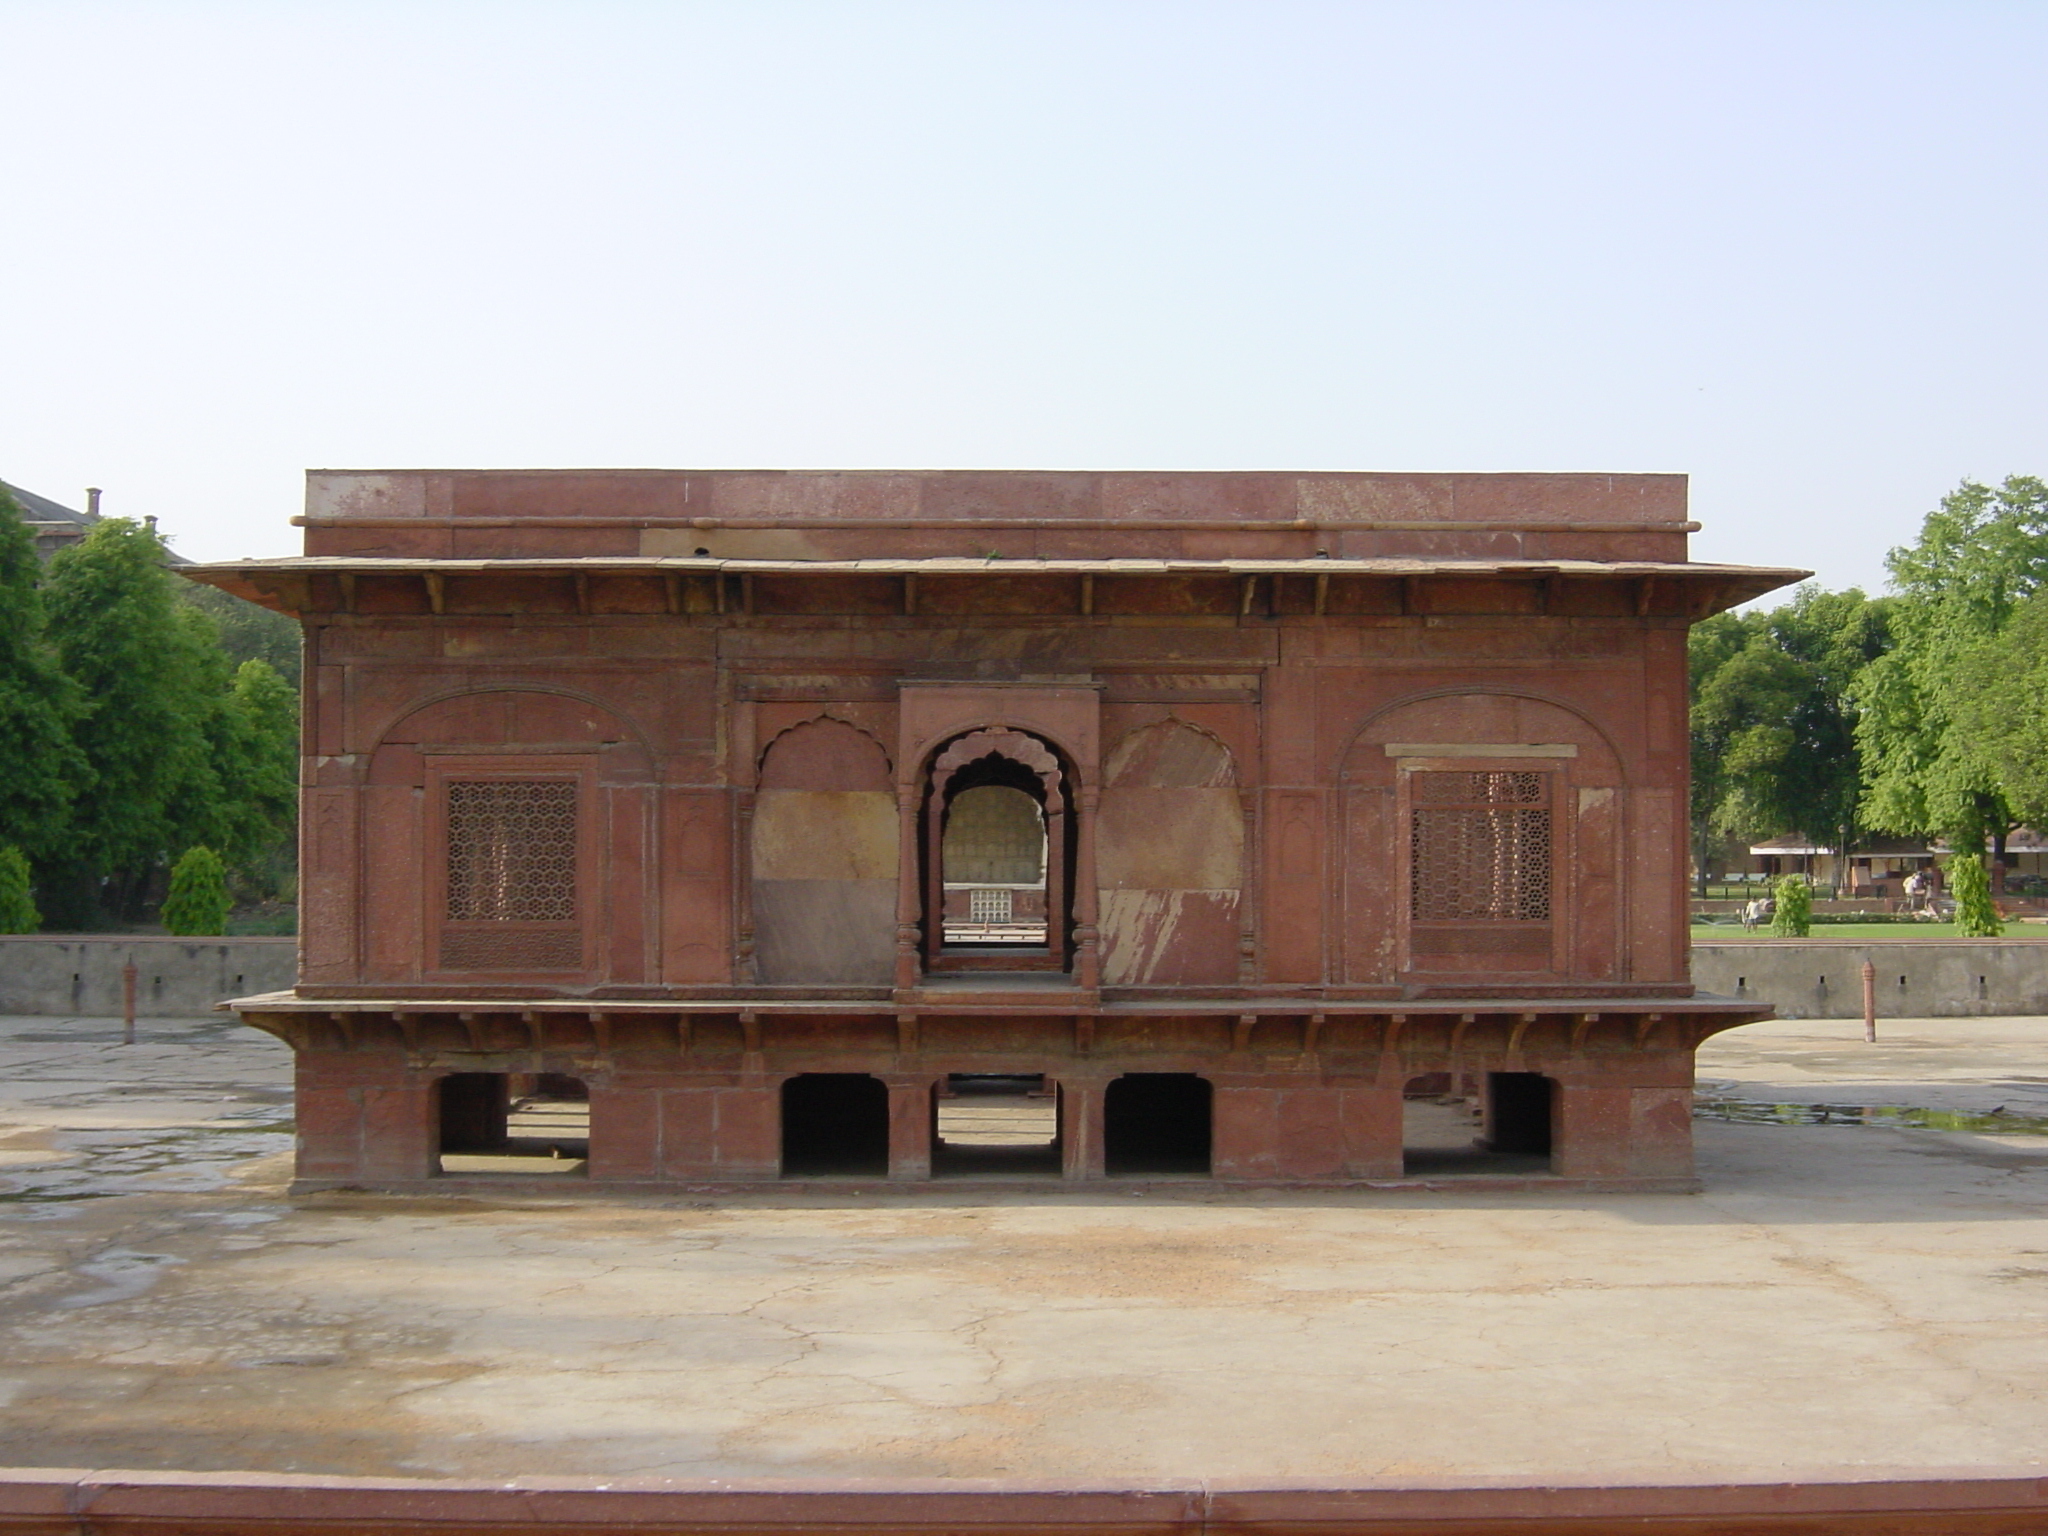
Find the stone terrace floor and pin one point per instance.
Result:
(1841, 1298)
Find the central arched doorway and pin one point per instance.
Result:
(997, 855)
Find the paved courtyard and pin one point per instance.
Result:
(1843, 1296)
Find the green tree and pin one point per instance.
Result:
(254, 739)
(248, 632)
(1792, 913)
(198, 900)
(1996, 696)
(41, 769)
(1978, 559)
(1773, 718)
(149, 675)
(1976, 917)
(17, 910)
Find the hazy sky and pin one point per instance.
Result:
(1795, 250)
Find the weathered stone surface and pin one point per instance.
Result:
(167, 1306)
(1223, 694)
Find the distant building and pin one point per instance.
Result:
(1230, 824)
(56, 526)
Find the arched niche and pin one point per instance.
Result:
(509, 720)
(823, 854)
(995, 801)
(1482, 845)
(1169, 858)
(501, 841)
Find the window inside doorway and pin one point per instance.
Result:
(996, 853)
(993, 851)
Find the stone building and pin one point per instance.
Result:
(667, 827)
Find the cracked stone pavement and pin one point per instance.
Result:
(1840, 1297)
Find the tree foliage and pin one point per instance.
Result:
(1792, 909)
(1774, 717)
(147, 683)
(1930, 765)
(40, 768)
(247, 632)
(17, 908)
(1976, 917)
(198, 901)
(127, 729)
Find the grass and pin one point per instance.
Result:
(1712, 933)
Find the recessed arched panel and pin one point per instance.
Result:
(504, 836)
(1482, 842)
(535, 720)
(1170, 859)
(824, 858)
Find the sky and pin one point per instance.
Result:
(1794, 250)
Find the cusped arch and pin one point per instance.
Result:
(931, 744)
(823, 752)
(1024, 747)
(1387, 724)
(1170, 754)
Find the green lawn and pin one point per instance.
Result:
(1709, 933)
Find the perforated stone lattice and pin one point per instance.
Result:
(1480, 848)
(1477, 788)
(511, 851)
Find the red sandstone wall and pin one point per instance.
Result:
(814, 515)
(1249, 827)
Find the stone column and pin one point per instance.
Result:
(1087, 935)
(908, 968)
(1080, 1107)
(910, 1128)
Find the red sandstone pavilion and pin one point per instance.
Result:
(1235, 824)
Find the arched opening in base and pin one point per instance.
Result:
(1460, 1125)
(835, 1125)
(1157, 1123)
(995, 1125)
(505, 1123)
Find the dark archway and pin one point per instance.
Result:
(835, 1124)
(1518, 1113)
(1157, 1123)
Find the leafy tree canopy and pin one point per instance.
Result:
(148, 675)
(40, 769)
(247, 632)
(1929, 767)
(1773, 717)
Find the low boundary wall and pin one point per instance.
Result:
(1929, 979)
(68, 1503)
(44, 973)
(1803, 979)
